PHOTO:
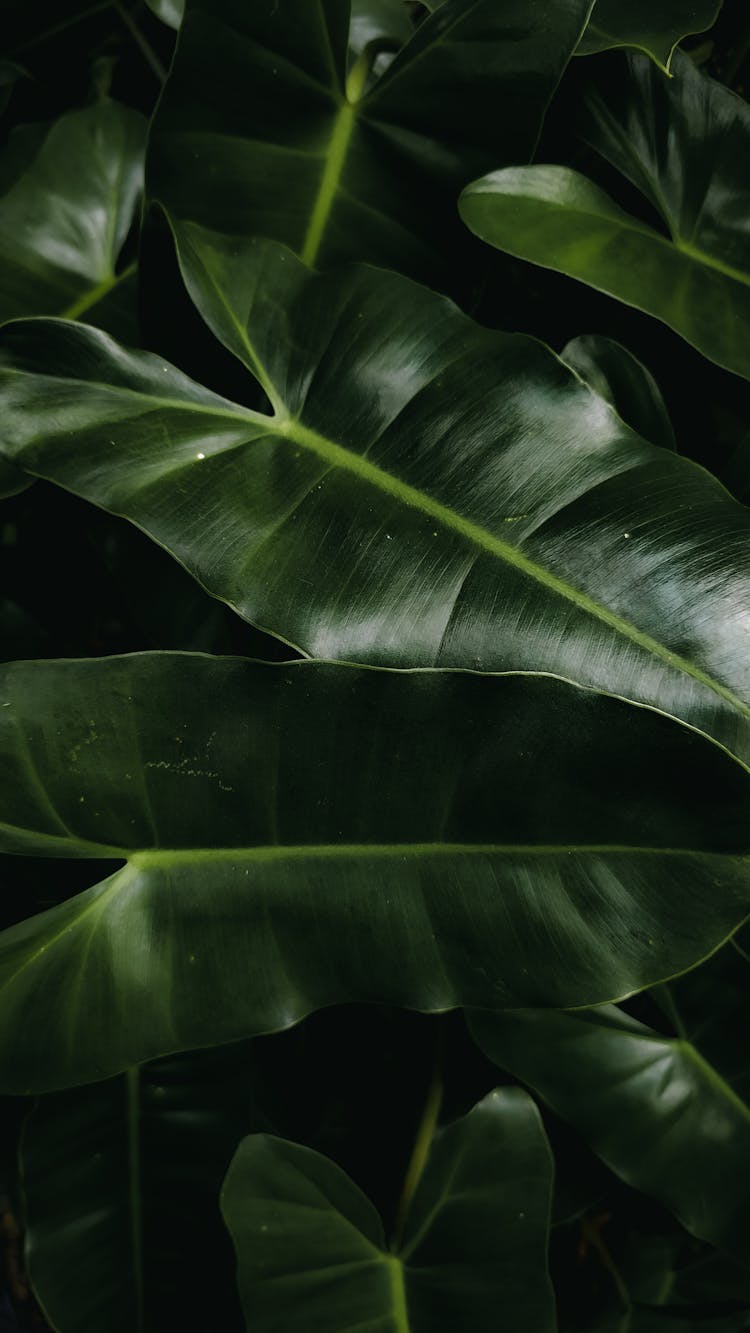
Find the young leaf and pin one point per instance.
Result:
(128, 1172)
(313, 1256)
(263, 130)
(656, 1112)
(684, 142)
(653, 28)
(426, 492)
(308, 834)
(64, 219)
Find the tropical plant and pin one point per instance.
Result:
(375, 708)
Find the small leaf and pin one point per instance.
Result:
(312, 1252)
(65, 218)
(684, 143)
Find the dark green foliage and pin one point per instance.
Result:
(298, 959)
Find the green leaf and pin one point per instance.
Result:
(427, 492)
(684, 143)
(169, 11)
(313, 1255)
(651, 1106)
(653, 28)
(128, 1173)
(262, 130)
(65, 217)
(624, 382)
(307, 834)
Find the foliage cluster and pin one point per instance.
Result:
(375, 708)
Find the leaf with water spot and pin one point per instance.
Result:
(425, 492)
(307, 834)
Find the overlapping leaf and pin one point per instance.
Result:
(263, 129)
(622, 380)
(653, 1108)
(313, 1256)
(117, 1169)
(684, 142)
(426, 492)
(66, 215)
(306, 834)
(654, 28)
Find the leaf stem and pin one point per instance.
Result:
(96, 294)
(144, 46)
(422, 1144)
(592, 1235)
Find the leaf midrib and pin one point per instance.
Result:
(144, 857)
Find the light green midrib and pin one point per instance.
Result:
(398, 1294)
(132, 1081)
(334, 165)
(141, 859)
(96, 294)
(478, 536)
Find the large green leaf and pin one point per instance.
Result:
(121, 1183)
(684, 142)
(653, 28)
(307, 834)
(651, 1106)
(426, 492)
(261, 130)
(64, 219)
(313, 1255)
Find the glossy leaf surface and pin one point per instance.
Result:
(169, 11)
(307, 834)
(654, 28)
(622, 380)
(263, 129)
(65, 217)
(312, 1251)
(659, 1115)
(427, 492)
(128, 1172)
(684, 143)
